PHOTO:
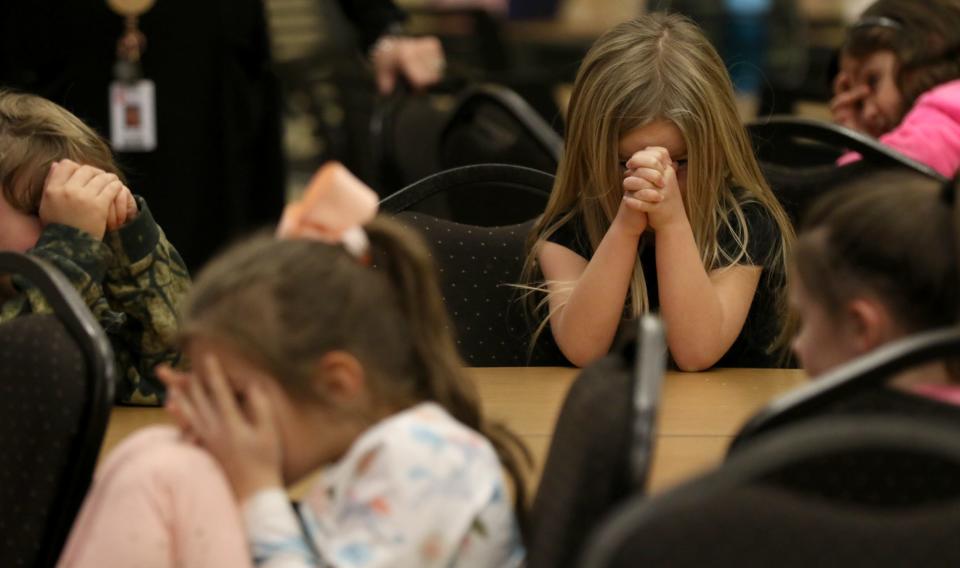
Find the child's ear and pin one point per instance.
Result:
(339, 378)
(870, 324)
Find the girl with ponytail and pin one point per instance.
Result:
(326, 348)
(875, 262)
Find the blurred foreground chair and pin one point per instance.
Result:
(862, 387)
(877, 492)
(57, 376)
(602, 447)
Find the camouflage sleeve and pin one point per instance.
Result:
(81, 258)
(146, 281)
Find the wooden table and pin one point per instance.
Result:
(699, 412)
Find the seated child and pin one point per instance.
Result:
(62, 199)
(659, 205)
(876, 262)
(899, 80)
(328, 349)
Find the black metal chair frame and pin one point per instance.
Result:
(760, 460)
(869, 371)
(524, 179)
(538, 129)
(71, 310)
(650, 366)
(777, 127)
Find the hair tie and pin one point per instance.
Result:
(877, 22)
(333, 209)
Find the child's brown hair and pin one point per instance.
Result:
(284, 303)
(892, 235)
(924, 36)
(34, 133)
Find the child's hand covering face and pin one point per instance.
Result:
(237, 428)
(867, 98)
(86, 198)
(123, 210)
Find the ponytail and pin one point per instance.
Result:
(405, 259)
(263, 296)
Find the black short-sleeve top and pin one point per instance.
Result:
(763, 246)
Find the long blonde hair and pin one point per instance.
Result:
(658, 66)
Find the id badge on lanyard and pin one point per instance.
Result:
(133, 101)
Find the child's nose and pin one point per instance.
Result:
(871, 113)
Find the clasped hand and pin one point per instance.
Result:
(86, 198)
(651, 192)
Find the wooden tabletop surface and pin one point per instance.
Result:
(699, 412)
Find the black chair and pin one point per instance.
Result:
(601, 449)
(488, 195)
(479, 271)
(414, 135)
(875, 492)
(798, 157)
(57, 376)
(859, 387)
(493, 124)
(405, 134)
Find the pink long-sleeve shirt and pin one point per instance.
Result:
(930, 132)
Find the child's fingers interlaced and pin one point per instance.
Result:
(106, 196)
(83, 175)
(120, 207)
(117, 215)
(639, 205)
(131, 204)
(654, 177)
(649, 179)
(645, 159)
(123, 209)
(100, 182)
(648, 195)
(60, 172)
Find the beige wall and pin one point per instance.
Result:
(600, 14)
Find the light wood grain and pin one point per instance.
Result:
(699, 412)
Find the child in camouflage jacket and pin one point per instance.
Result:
(62, 199)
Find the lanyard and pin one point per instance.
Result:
(133, 106)
(132, 43)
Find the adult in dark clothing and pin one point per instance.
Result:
(218, 168)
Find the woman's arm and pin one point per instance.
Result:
(586, 299)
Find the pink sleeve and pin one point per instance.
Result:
(930, 133)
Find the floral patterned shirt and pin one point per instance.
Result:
(418, 489)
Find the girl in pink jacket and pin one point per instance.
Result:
(899, 80)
